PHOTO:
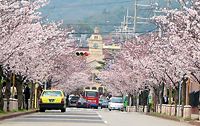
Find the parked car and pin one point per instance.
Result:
(72, 101)
(100, 101)
(115, 103)
(82, 103)
(70, 96)
(52, 99)
(104, 104)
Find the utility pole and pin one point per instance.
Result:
(169, 5)
(182, 4)
(135, 18)
(124, 31)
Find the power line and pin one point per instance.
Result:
(110, 32)
(91, 24)
(87, 5)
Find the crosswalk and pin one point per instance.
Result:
(72, 116)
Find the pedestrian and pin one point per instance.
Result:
(27, 94)
(165, 99)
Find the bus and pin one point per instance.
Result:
(100, 89)
(92, 96)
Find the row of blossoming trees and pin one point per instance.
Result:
(156, 61)
(36, 50)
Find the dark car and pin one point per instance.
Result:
(73, 101)
(100, 101)
(104, 104)
(82, 103)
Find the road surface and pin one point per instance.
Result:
(89, 117)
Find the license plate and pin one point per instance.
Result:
(51, 100)
(92, 101)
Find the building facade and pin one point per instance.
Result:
(95, 51)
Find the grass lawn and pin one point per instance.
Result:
(15, 111)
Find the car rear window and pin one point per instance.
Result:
(52, 93)
(116, 100)
(74, 98)
(82, 100)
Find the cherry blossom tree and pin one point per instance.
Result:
(30, 46)
(16, 18)
(179, 46)
(71, 73)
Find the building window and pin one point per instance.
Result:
(95, 37)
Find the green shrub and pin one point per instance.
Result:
(151, 106)
(2, 112)
(14, 110)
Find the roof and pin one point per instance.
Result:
(96, 34)
(91, 90)
(106, 54)
(82, 49)
(96, 28)
(112, 47)
(105, 41)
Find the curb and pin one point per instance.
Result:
(196, 123)
(7, 116)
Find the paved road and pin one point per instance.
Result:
(116, 118)
(88, 117)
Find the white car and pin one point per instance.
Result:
(116, 103)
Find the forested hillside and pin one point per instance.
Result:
(84, 15)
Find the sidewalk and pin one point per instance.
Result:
(11, 115)
(193, 116)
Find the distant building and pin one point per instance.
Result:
(97, 48)
(95, 51)
(111, 47)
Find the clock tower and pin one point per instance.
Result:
(95, 50)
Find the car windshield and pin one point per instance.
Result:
(91, 94)
(116, 100)
(52, 93)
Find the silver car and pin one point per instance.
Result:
(116, 103)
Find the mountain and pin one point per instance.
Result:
(77, 9)
(84, 15)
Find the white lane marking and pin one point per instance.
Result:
(100, 116)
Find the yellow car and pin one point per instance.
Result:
(52, 99)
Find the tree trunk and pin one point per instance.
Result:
(161, 96)
(19, 94)
(19, 81)
(158, 98)
(32, 94)
(1, 87)
(184, 93)
(7, 91)
(134, 99)
(1, 96)
(176, 98)
(143, 98)
(155, 100)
